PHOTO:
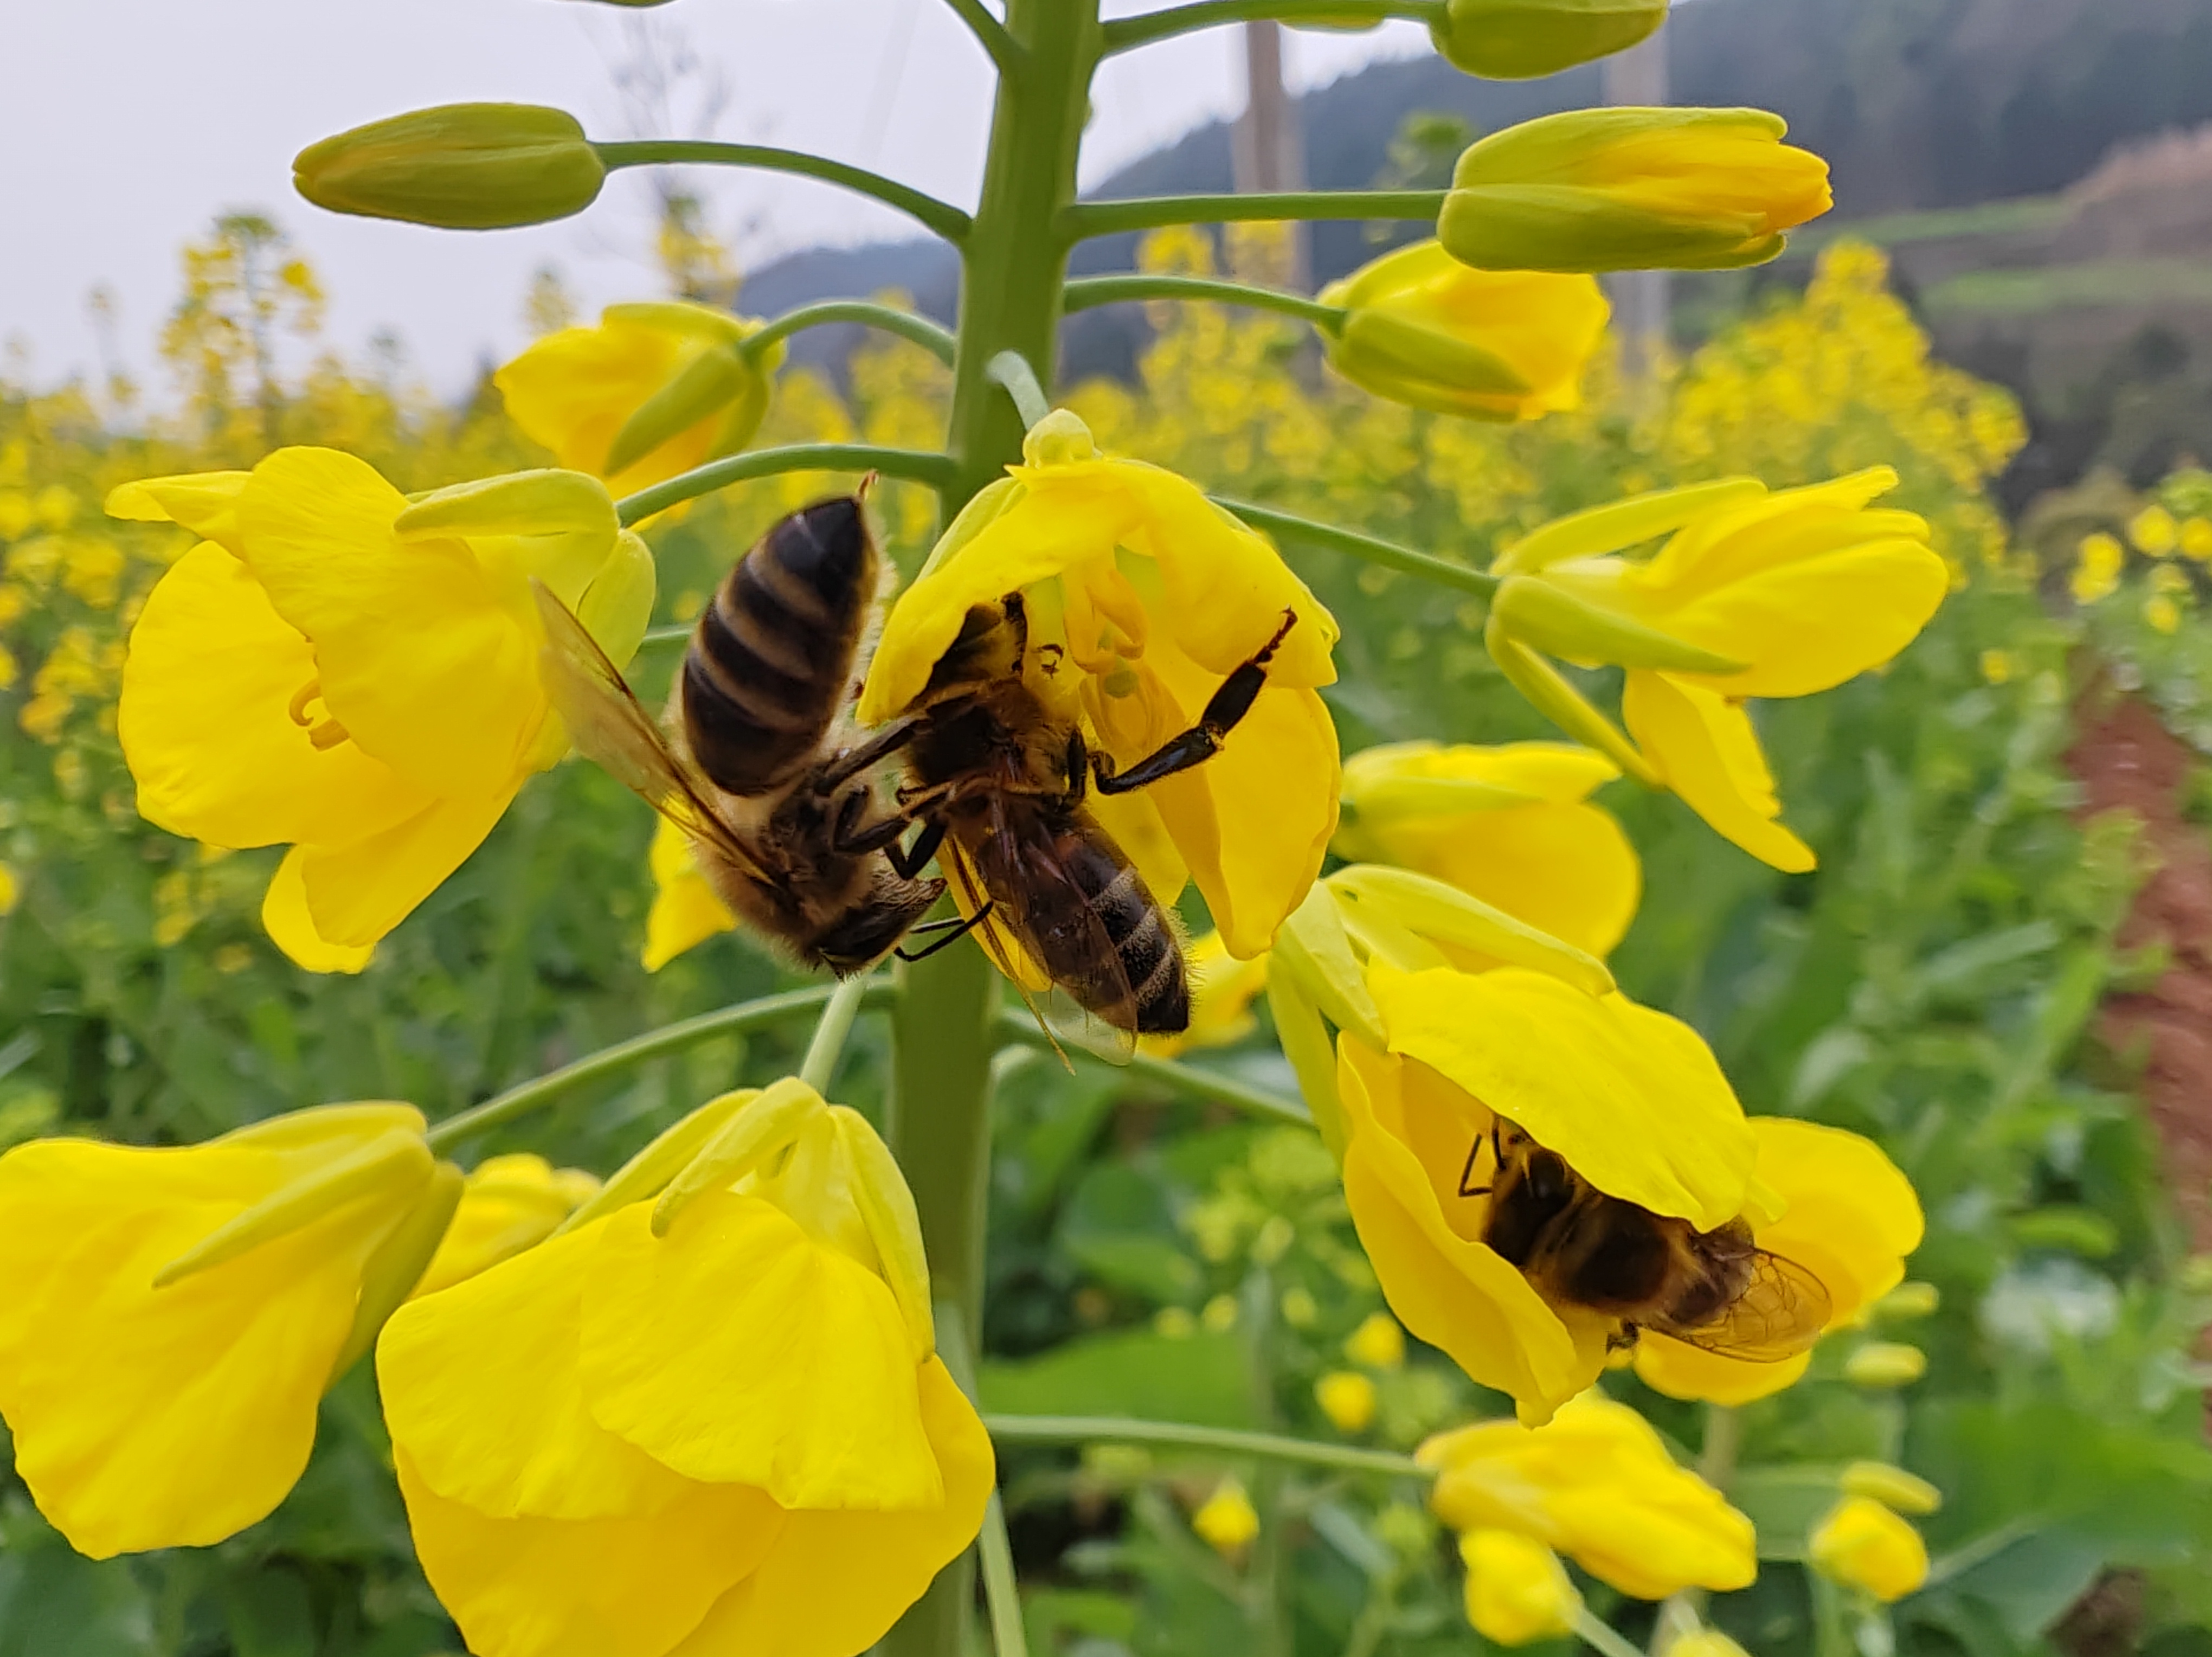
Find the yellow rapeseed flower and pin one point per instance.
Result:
(2195, 538)
(1226, 1521)
(674, 1426)
(2152, 530)
(1848, 1215)
(1424, 329)
(1518, 1592)
(1511, 824)
(1623, 189)
(655, 388)
(1377, 1343)
(1597, 1486)
(341, 669)
(2098, 562)
(686, 909)
(1753, 594)
(1703, 1640)
(173, 1317)
(507, 1204)
(1142, 596)
(1863, 1544)
(2163, 614)
(1348, 1399)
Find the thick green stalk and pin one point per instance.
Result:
(1014, 260)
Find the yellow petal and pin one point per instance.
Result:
(420, 659)
(205, 502)
(623, 1585)
(284, 916)
(807, 1599)
(152, 1418)
(484, 1393)
(686, 910)
(1516, 1589)
(574, 390)
(1597, 1483)
(736, 1349)
(206, 719)
(1253, 821)
(508, 1203)
(1682, 1371)
(1708, 753)
(1448, 1288)
(1864, 1544)
(356, 893)
(1633, 1099)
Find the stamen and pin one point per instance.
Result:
(326, 733)
(307, 693)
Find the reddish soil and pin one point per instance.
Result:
(2127, 760)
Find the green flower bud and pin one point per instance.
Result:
(460, 167)
(1516, 40)
(1631, 189)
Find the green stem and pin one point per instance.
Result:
(819, 1068)
(1004, 51)
(1717, 1457)
(1001, 1593)
(1599, 1634)
(1011, 373)
(1015, 1024)
(916, 466)
(1084, 292)
(1182, 1435)
(1284, 527)
(680, 633)
(918, 329)
(942, 217)
(502, 1108)
(1106, 218)
(1125, 33)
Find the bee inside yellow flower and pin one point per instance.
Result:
(1597, 1484)
(342, 670)
(655, 388)
(174, 1316)
(1848, 1216)
(1141, 597)
(648, 1438)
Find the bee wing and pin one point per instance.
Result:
(611, 729)
(1013, 879)
(1781, 1313)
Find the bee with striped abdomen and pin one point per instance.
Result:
(1579, 1247)
(781, 813)
(998, 781)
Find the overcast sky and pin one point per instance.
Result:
(128, 125)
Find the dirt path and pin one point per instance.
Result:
(2125, 758)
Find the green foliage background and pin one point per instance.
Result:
(1932, 985)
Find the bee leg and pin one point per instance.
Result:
(850, 839)
(878, 747)
(907, 862)
(1229, 704)
(960, 930)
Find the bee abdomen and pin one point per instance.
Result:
(1151, 960)
(769, 664)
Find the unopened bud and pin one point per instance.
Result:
(1886, 1363)
(1862, 1544)
(459, 166)
(1907, 1493)
(1348, 1399)
(1227, 1521)
(1631, 189)
(1913, 1299)
(1517, 39)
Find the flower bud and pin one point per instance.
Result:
(1865, 1545)
(1348, 1399)
(459, 166)
(1630, 189)
(1226, 1521)
(1378, 1343)
(1886, 1363)
(1892, 1486)
(1517, 39)
(1424, 329)
(1516, 1590)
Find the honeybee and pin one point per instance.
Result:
(782, 817)
(1716, 1289)
(998, 782)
